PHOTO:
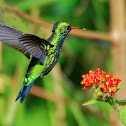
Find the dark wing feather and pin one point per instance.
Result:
(10, 37)
(35, 46)
(25, 43)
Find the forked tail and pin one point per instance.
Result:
(24, 92)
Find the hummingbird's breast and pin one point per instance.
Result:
(54, 52)
(51, 60)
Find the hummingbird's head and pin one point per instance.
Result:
(63, 28)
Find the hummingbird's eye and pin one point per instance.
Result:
(68, 28)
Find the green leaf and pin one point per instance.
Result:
(93, 101)
(121, 101)
(119, 85)
(122, 115)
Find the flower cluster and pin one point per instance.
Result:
(101, 81)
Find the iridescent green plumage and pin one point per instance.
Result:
(52, 56)
(45, 53)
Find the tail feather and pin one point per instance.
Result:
(24, 92)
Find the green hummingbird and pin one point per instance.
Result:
(44, 54)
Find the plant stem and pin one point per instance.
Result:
(111, 101)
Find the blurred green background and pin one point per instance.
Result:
(78, 56)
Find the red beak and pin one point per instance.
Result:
(77, 28)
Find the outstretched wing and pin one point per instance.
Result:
(35, 46)
(10, 37)
(25, 43)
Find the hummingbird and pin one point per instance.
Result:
(44, 54)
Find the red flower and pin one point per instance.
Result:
(106, 83)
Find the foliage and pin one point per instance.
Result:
(122, 115)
